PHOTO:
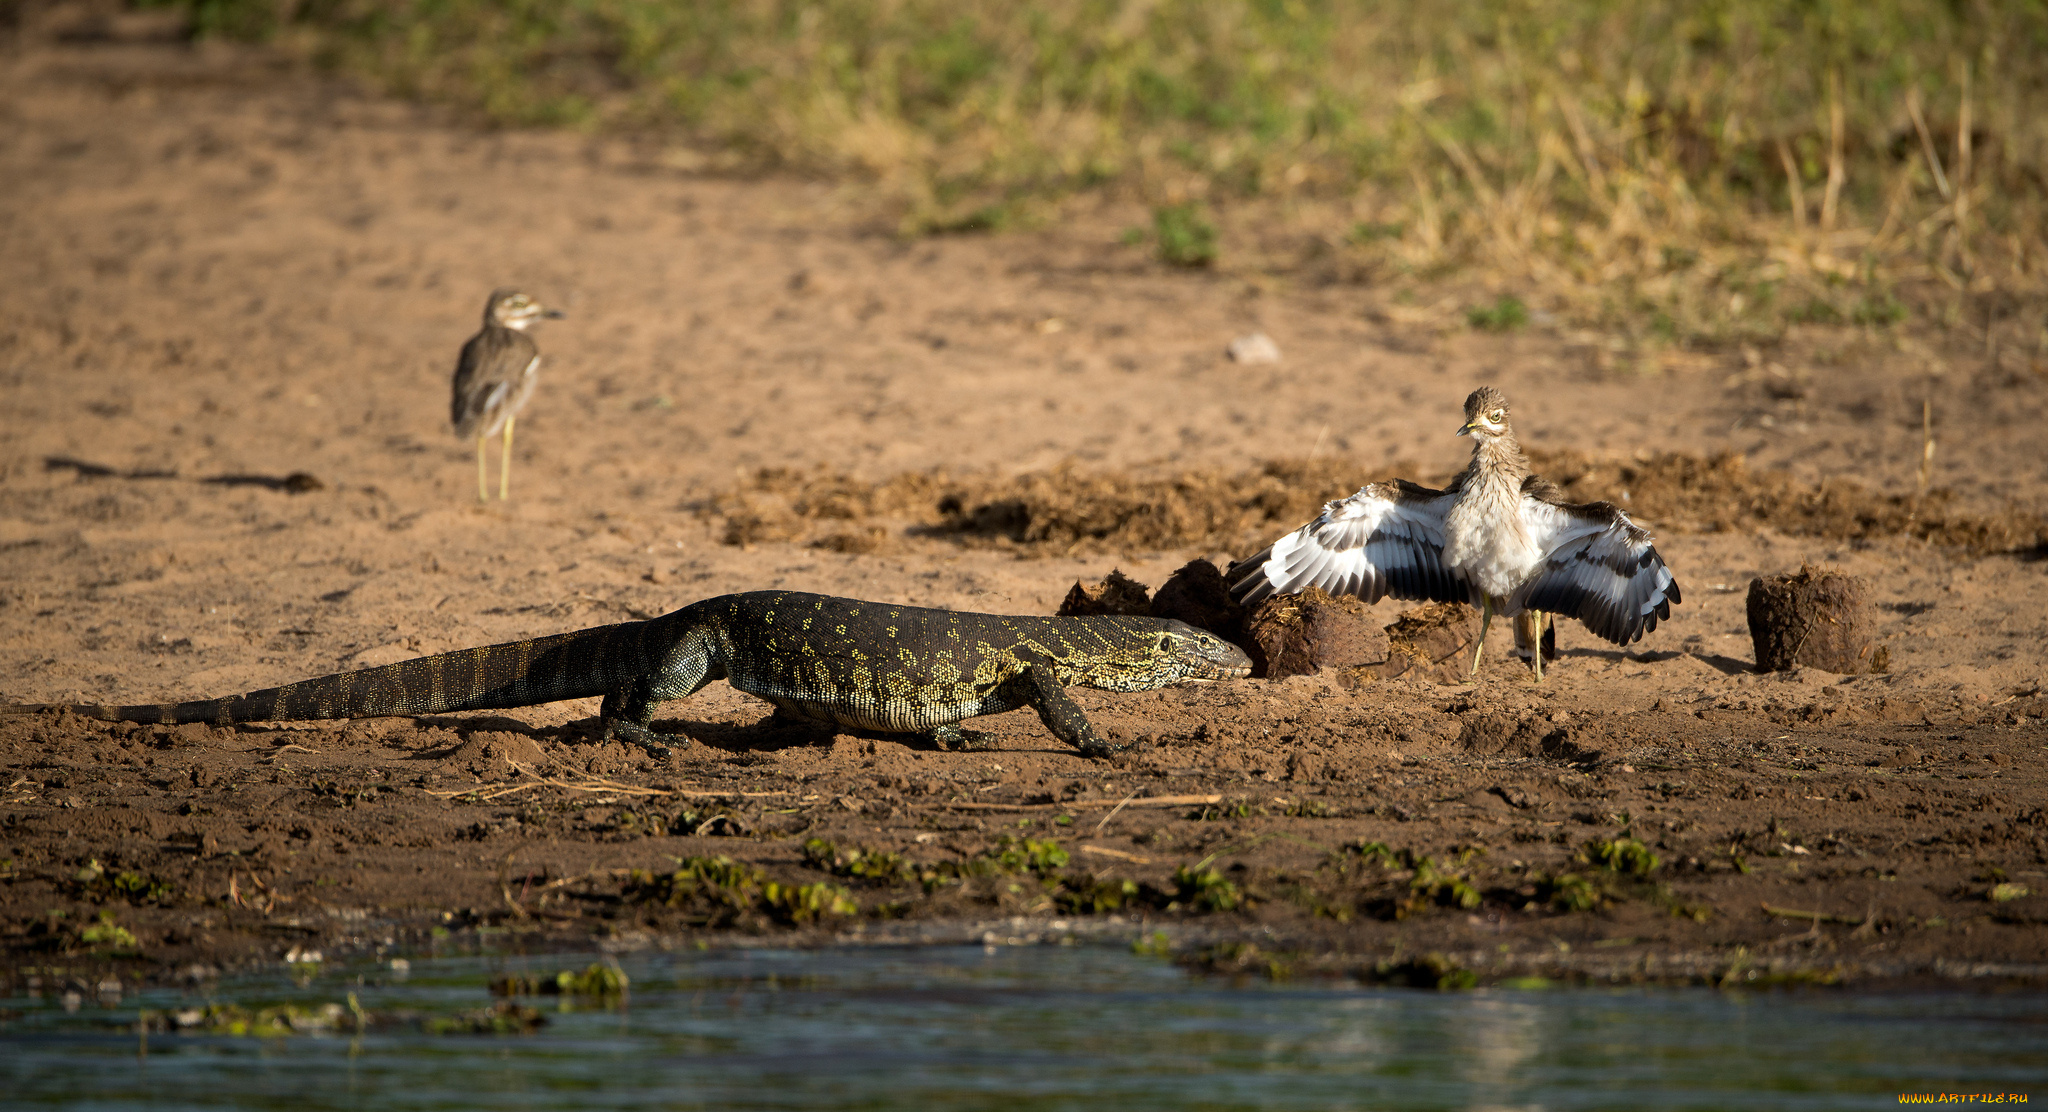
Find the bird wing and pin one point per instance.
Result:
(1598, 567)
(1387, 539)
(492, 365)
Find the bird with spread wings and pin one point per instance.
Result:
(1498, 537)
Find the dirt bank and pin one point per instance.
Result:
(222, 274)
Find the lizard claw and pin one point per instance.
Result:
(953, 737)
(1100, 749)
(654, 743)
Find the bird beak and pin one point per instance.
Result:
(1466, 428)
(553, 314)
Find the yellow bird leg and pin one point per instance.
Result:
(1485, 621)
(1529, 626)
(483, 493)
(505, 465)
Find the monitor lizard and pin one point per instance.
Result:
(867, 665)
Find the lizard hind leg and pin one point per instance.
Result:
(628, 718)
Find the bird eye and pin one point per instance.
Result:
(1497, 416)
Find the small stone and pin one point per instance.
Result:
(1902, 758)
(1253, 348)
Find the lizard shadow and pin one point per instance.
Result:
(590, 731)
(774, 733)
(466, 726)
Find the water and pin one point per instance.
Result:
(1029, 1028)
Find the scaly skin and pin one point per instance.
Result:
(844, 662)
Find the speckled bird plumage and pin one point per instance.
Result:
(1498, 537)
(495, 375)
(866, 665)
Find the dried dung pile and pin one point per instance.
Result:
(1690, 494)
(1817, 618)
(1068, 510)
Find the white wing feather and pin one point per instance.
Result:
(1598, 567)
(1381, 541)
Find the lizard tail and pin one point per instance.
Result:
(575, 665)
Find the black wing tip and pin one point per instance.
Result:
(1258, 592)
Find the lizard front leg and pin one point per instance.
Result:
(1039, 689)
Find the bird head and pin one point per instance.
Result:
(515, 310)
(1486, 413)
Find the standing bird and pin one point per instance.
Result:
(1498, 537)
(495, 376)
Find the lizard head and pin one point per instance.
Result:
(1202, 654)
(1173, 652)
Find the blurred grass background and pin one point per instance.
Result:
(1696, 173)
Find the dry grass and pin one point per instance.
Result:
(1678, 172)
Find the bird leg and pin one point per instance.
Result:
(483, 493)
(1485, 620)
(1529, 629)
(505, 465)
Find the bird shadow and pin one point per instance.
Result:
(298, 482)
(1726, 665)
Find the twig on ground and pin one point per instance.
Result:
(1120, 855)
(1147, 801)
(1810, 916)
(1114, 811)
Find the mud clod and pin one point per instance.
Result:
(1299, 635)
(1816, 618)
(1196, 594)
(1116, 594)
(1430, 642)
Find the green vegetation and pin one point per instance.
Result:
(1504, 315)
(599, 981)
(1431, 971)
(1030, 869)
(1680, 171)
(94, 881)
(283, 1020)
(724, 892)
(1186, 237)
(1204, 890)
(1621, 855)
(106, 936)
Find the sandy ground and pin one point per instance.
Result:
(222, 272)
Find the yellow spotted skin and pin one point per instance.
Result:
(845, 662)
